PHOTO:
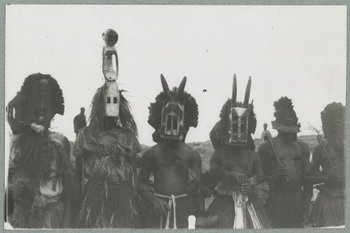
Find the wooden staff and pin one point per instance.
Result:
(269, 139)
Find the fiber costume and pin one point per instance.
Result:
(105, 153)
(39, 180)
(286, 164)
(176, 168)
(235, 169)
(328, 170)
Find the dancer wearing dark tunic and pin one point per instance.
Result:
(175, 167)
(105, 153)
(39, 181)
(328, 169)
(287, 206)
(235, 169)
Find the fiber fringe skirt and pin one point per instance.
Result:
(223, 207)
(285, 209)
(328, 210)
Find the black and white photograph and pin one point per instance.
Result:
(175, 116)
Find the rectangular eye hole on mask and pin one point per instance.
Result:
(168, 123)
(175, 123)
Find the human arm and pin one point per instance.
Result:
(215, 173)
(195, 180)
(264, 154)
(145, 188)
(273, 173)
(21, 188)
(315, 176)
(252, 185)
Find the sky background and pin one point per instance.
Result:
(294, 51)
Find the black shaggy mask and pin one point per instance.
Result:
(286, 118)
(237, 121)
(38, 101)
(333, 121)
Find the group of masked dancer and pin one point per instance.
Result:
(100, 182)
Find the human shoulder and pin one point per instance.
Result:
(152, 152)
(189, 149)
(217, 154)
(76, 117)
(192, 153)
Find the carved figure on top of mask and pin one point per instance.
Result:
(235, 172)
(286, 164)
(105, 153)
(328, 169)
(39, 180)
(176, 168)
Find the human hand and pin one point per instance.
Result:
(193, 187)
(239, 177)
(19, 187)
(335, 174)
(282, 171)
(37, 128)
(246, 189)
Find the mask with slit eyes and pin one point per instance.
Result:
(238, 117)
(173, 112)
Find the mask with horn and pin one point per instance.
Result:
(172, 121)
(173, 112)
(237, 121)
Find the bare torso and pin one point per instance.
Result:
(293, 155)
(170, 167)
